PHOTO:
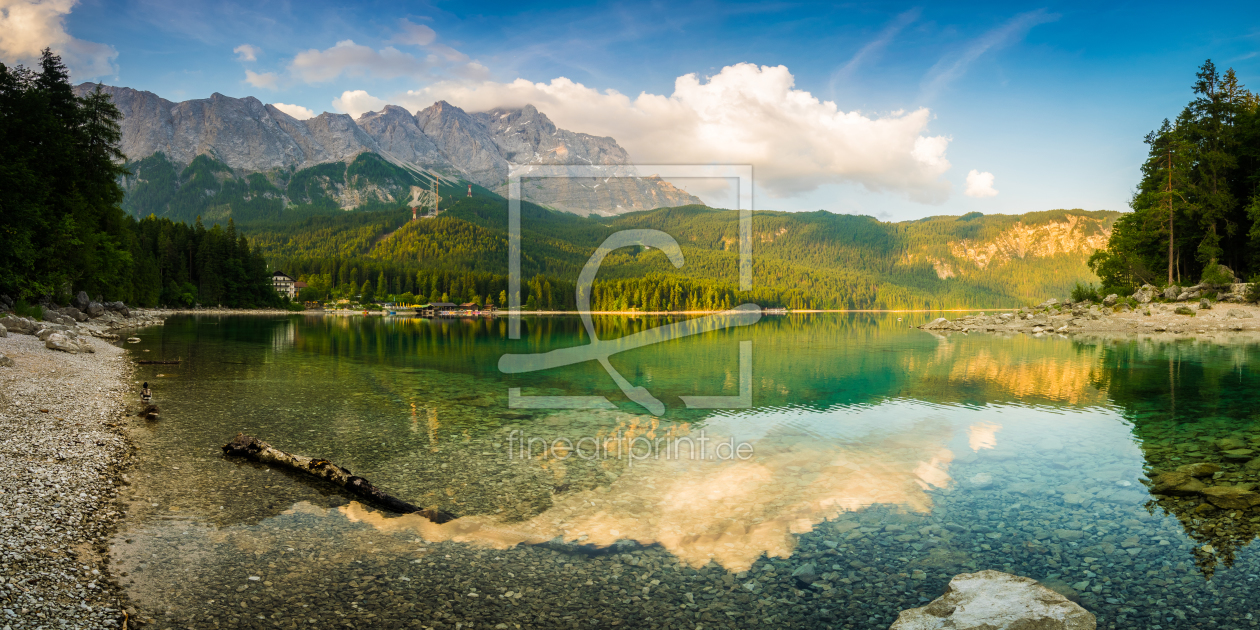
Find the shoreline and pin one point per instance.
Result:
(504, 312)
(1153, 320)
(66, 447)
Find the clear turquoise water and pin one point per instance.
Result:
(888, 458)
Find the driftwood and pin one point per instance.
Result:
(158, 362)
(253, 448)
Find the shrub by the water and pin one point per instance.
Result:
(1082, 292)
(1217, 274)
(1253, 291)
(22, 309)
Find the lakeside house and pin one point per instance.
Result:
(284, 284)
(437, 309)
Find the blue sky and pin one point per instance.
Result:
(1052, 99)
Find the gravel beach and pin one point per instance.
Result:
(62, 447)
(1164, 320)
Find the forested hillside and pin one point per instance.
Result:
(801, 260)
(209, 189)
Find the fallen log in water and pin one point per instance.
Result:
(158, 362)
(253, 448)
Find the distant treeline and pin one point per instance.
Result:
(801, 260)
(1198, 202)
(62, 227)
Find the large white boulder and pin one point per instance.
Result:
(992, 600)
(62, 342)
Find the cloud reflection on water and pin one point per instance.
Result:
(809, 466)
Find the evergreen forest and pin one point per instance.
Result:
(1197, 205)
(63, 228)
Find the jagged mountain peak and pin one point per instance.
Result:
(250, 136)
(502, 120)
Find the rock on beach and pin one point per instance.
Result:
(992, 600)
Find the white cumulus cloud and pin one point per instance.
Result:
(357, 103)
(28, 26)
(980, 185)
(246, 52)
(265, 80)
(745, 114)
(296, 111)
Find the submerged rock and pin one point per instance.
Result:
(1201, 469)
(1238, 455)
(1231, 443)
(992, 600)
(1232, 497)
(806, 573)
(1177, 484)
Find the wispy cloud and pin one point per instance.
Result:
(872, 49)
(347, 58)
(951, 67)
(412, 34)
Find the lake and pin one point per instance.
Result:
(867, 464)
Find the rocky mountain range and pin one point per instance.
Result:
(250, 137)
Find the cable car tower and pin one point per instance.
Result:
(425, 198)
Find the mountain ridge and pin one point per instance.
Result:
(441, 140)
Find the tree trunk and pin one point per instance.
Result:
(253, 448)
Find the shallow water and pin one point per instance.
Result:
(888, 458)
